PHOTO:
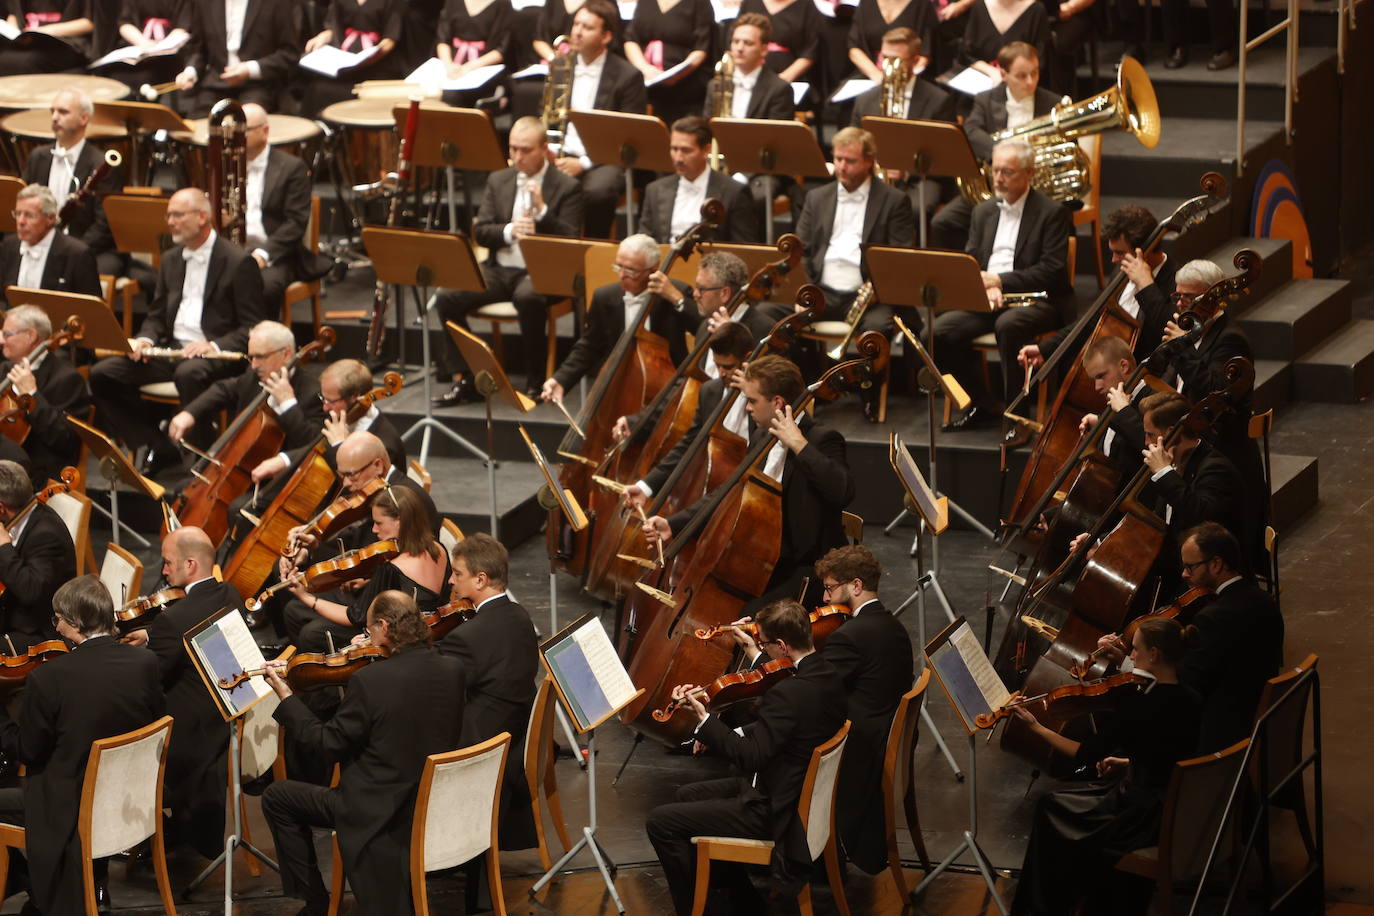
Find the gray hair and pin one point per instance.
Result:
(727, 269)
(83, 101)
(646, 246)
(46, 202)
(1201, 272)
(275, 334)
(32, 318)
(15, 487)
(1019, 147)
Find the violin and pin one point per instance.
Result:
(135, 614)
(15, 409)
(1068, 702)
(15, 669)
(442, 620)
(824, 621)
(331, 573)
(732, 688)
(313, 670)
(68, 480)
(1186, 605)
(338, 515)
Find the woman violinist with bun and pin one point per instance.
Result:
(1080, 832)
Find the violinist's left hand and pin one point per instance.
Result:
(1024, 715)
(1157, 457)
(136, 638)
(786, 430)
(273, 671)
(21, 377)
(684, 692)
(1109, 766)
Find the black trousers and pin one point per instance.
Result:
(17, 881)
(602, 186)
(204, 97)
(1013, 327)
(115, 381)
(1221, 21)
(503, 283)
(949, 228)
(715, 807)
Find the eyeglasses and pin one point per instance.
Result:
(699, 290)
(1189, 567)
(25, 214)
(767, 642)
(267, 353)
(349, 475)
(325, 400)
(56, 621)
(9, 334)
(827, 589)
(629, 271)
(1179, 296)
(1003, 172)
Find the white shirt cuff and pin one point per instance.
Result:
(285, 461)
(586, 162)
(696, 731)
(266, 258)
(284, 406)
(648, 490)
(1157, 475)
(254, 69)
(508, 233)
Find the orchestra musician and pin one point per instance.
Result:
(1021, 241)
(659, 38)
(794, 41)
(57, 389)
(394, 714)
(209, 293)
(36, 557)
(65, 165)
(99, 689)
(758, 91)
(72, 21)
(499, 652)
(341, 383)
(600, 81)
(37, 256)
(809, 461)
(473, 34)
(795, 716)
(556, 19)
(1081, 831)
(672, 204)
(993, 25)
(1109, 362)
(531, 197)
(616, 306)
(143, 24)
(239, 49)
(924, 101)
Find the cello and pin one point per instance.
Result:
(723, 556)
(15, 408)
(639, 366)
(226, 473)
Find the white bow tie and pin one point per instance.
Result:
(63, 155)
(199, 256)
(636, 301)
(29, 251)
(856, 197)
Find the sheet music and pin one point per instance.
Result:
(329, 60)
(799, 91)
(433, 74)
(994, 692)
(540, 70)
(592, 682)
(7, 30)
(665, 75)
(131, 55)
(605, 664)
(971, 81)
(966, 674)
(223, 648)
(852, 89)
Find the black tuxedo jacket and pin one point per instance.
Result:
(606, 321)
(873, 656)
(89, 224)
(1240, 646)
(709, 396)
(1155, 311)
(52, 443)
(499, 652)
(1207, 489)
(286, 216)
(32, 571)
(1042, 246)
(771, 99)
(232, 301)
(928, 102)
(394, 714)
(100, 689)
(741, 212)
(888, 220)
(269, 37)
(195, 785)
(794, 718)
(562, 216)
(621, 87)
(70, 267)
(989, 115)
(301, 424)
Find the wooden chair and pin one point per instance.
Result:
(302, 290)
(121, 806)
(416, 472)
(1261, 424)
(1091, 213)
(899, 780)
(259, 752)
(449, 534)
(540, 775)
(816, 808)
(1287, 721)
(853, 527)
(75, 510)
(125, 289)
(829, 334)
(1193, 807)
(503, 313)
(122, 574)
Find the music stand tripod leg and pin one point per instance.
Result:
(427, 423)
(588, 839)
(111, 475)
(924, 578)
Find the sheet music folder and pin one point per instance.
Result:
(587, 674)
(965, 672)
(221, 646)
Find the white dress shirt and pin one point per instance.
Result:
(777, 457)
(586, 80)
(510, 254)
(1003, 257)
(186, 328)
(1110, 436)
(634, 305)
(743, 92)
(32, 261)
(1019, 113)
(255, 233)
(63, 170)
(841, 271)
(691, 194)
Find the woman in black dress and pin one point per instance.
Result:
(994, 24)
(663, 34)
(353, 26)
(873, 19)
(1071, 24)
(142, 24)
(1080, 832)
(474, 34)
(70, 20)
(795, 45)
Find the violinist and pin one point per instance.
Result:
(395, 713)
(271, 345)
(195, 785)
(55, 385)
(1080, 832)
(36, 557)
(99, 689)
(808, 459)
(794, 717)
(499, 652)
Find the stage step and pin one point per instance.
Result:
(1188, 148)
(1273, 384)
(1296, 317)
(1276, 270)
(461, 491)
(1293, 482)
(1341, 369)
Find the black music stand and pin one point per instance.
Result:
(136, 118)
(926, 149)
(632, 141)
(416, 260)
(435, 146)
(769, 148)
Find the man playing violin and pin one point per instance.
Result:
(36, 557)
(55, 385)
(395, 713)
(794, 717)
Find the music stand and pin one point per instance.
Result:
(114, 467)
(755, 258)
(10, 187)
(138, 223)
(632, 141)
(416, 259)
(556, 265)
(136, 117)
(926, 149)
(435, 146)
(769, 148)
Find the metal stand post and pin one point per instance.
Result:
(487, 387)
(769, 232)
(604, 863)
(111, 475)
(427, 423)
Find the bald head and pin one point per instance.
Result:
(187, 556)
(256, 126)
(188, 217)
(361, 459)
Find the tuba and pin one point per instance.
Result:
(553, 108)
(227, 170)
(1062, 169)
(722, 95)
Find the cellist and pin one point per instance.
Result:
(808, 460)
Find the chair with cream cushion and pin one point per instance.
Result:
(75, 510)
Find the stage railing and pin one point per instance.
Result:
(1289, 25)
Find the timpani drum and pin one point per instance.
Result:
(36, 90)
(369, 131)
(30, 129)
(297, 136)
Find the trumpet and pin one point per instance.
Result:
(151, 91)
(722, 94)
(557, 97)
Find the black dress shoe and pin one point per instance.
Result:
(1135, 51)
(102, 896)
(161, 457)
(1221, 60)
(973, 418)
(462, 392)
(533, 392)
(1177, 58)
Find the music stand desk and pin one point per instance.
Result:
(556, 263)
(452, 138)
(769, 148)
(631, 141)
(101, 330)
(138, 223)
(10, 186)
(939, 280)
(115, 466)
(148, 117)
(925, 149)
